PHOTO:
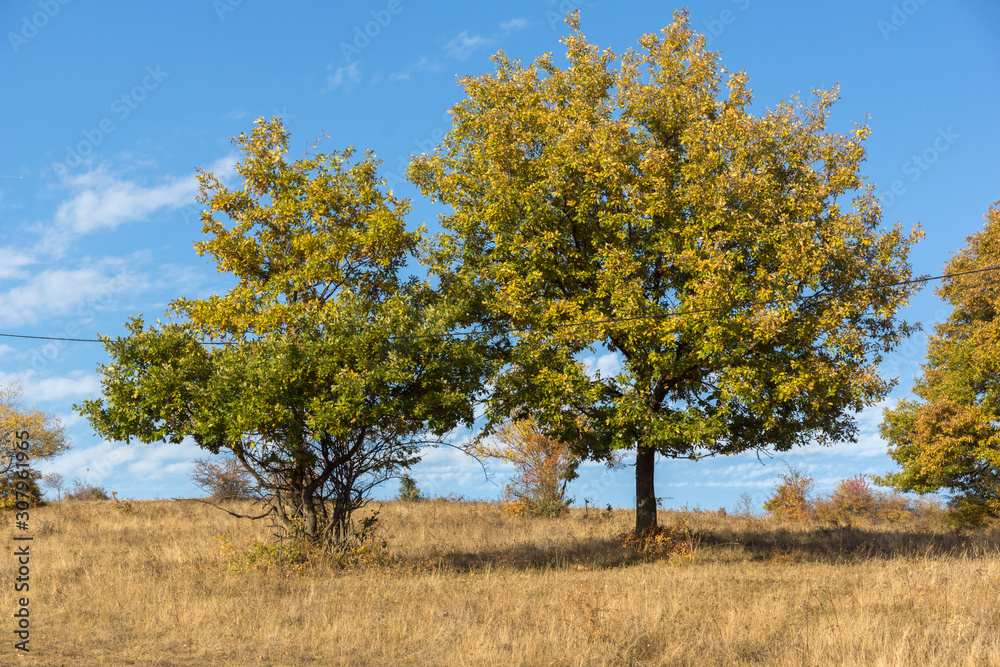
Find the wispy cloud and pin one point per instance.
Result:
(345, 77)
(101, 201)
(109, 461)
(462, 45)
(55, 292)
(78, 384)
(514, 24)
(11, 263)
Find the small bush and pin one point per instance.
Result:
(544, 508)
(123, 507)
(673, 542)
(14, 488)
(790, 499)
(258, 556)
(966, 512)
(83, 491)
(363, 549)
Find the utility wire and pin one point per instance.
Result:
(676, 313)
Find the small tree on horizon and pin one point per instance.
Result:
(226, 479)
(791, 496)
(543, 466)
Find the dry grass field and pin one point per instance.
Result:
(464, 584)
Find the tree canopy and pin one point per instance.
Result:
(948, 437)
(735, 262)
(329, 369)
(45, 433)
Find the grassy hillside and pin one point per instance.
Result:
(171, 583)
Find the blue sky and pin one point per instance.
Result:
(108, 110)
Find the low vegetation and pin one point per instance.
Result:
(446, 582)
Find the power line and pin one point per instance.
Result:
(676, 313)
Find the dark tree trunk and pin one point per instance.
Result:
(645, 496)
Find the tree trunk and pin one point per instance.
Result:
(645, 496)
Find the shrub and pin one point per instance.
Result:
(853, 499)
(123, 507)
(84, 491)
(223, 480)
(673, 542)
(14, 488)
(790, 499)
(968, 512)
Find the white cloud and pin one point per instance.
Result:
(428, 64)
(103, 201)
(608, 365)
(109, 463)
(345, 76)
(462, 45)
(76, 385)
(63, 291)
(11, 261)
(514, 24)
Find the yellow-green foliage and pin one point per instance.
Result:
(14, 488)
(672, 542)
(790, 499)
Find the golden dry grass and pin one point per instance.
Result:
(466, 585)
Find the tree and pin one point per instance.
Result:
(639, 210)
(45, 433)
(329, 370)
(54, 480)
(223, 480)
(408, 490)
(543, 466)
(791, 497)
(948, 438)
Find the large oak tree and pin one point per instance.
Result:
(736, 262)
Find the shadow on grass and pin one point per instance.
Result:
(727, 541)
(759, 541)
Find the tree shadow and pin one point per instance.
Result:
(733, 541)
(846, 543)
